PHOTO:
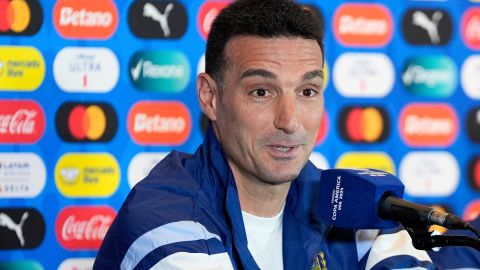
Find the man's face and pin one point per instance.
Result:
(269, 111)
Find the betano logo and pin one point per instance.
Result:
(430, 173)
(363, 25)
(473, 124)
(77, 264)
(93, 70)
(469, 74)
(86, 122)
(85, 19)
(364, 160)
(160, 71)
(22, 68)
(87, 175)
(366, 124)
(159, 123)
(474, 172)
(20, 17)
(430, 76)
(428, 125)
(471, 28)
(472, 211)
(369, 75)
(21, 121)
(22, 175)
(141, 165)
(207, 14)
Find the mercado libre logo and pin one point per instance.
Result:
(427, 27)
(81, 175)
(363, 160)
(473, 124)
(365, 124)
(428, 125)
(159, 123)
(207, 14)
(24, 228)
(83, 227)
(22, 68)
(20, 17)
(21, 122)
(470, 28)
(157, 19)
(85, 19)
(159, 71)
(363, 25)
(430, 76)
(86, 122)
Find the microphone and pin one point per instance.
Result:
(371, 199)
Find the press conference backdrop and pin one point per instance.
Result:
(94, 93)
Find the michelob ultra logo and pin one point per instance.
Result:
(22, 68)
(85, 19)
(430, 76)
(469, 75)
(159, 71)
(159, 123)
(364, 160)
(20, 17)
(423, 124)
(87, 175)
(21, 121)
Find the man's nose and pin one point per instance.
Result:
(286, 115)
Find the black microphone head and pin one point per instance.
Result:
(349, 198)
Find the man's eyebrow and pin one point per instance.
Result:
(258, 72)
(313, 74)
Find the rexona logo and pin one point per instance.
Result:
(469, 73)
(473, 124)
(83, 227)
(85, 19)
(423, 124)
(159, 123)
(430, 76)
(21, 121)
(472, 211)
(363, 25)
(366, 124)
(427, 26)
(22, 175)
(21, 265)
(157, 19)
(80, 175)
(86, 122)
(430, 174)
(93, 70)
(141, 165)
(20, 17)
(364, 160)
(22, 68)
(21, 228)
(471, 28)
(474, 172)
(207, 13)
(369, 75)
(77, 264)
(159, 71)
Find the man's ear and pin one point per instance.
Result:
(207, 93)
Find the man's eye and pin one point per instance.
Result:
(260, 92)
(308, 92)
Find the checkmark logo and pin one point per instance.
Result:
(135, 71)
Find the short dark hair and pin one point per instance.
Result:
(262, 18)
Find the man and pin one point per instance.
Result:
(245, 199)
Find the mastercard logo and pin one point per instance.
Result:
(207, 14)
(474, 172)
(367, 124)
(86, 122)
(20, 17)
(472, 211)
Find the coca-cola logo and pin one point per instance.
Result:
(21, 121)
(83, 227)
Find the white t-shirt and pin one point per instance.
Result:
(264, 236)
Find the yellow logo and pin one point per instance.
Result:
(319, 262)
(87, 175)
(363, 160)
(22, 68)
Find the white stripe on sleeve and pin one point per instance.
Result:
(197, 261)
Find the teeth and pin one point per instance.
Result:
(283, 149)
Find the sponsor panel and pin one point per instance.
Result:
(430, 173)
(20, 265)
(319, 160)
(22, 175)
(324, 127)
(474, 172)
(472, 211)
(19, 17)
(364, 160)
(160, 71)
(369, 75)
(86, 122)
(430, 76)
(428, 125)
(363, 124)
(469, 76)
(470, 28)
(207, 13)
(85, 19)
(473, 124)
(363, 25)
(77, 264)
(21, 122)
(22, 68)
(86, 70)
(157, 19)
(79, 175)
(141, 165)
(21, 228)
(422, 26)
(159, 123)
(83, 227)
